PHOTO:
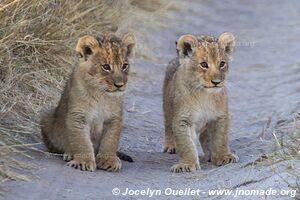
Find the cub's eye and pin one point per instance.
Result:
(204, 65)
(125, 66)
(222, 65)
(106, 67)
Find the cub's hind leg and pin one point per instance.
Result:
(205, 144)
(169, 143)
(54, 141)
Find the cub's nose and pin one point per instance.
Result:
(119, 84)
(216, 82)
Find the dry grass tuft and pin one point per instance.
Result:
(36, 56)
(288, 149)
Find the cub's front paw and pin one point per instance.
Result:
(169, 148)
(108, 163)
(83, 164)
(183, 167)
(224, 159)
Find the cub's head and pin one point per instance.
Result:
(104, 61)
(206, 59)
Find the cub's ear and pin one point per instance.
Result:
(86, 46)
(227, 40)
(186, 45)
(129, 41)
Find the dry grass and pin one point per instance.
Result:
(286, 153)
(288, 149)
(36, 55)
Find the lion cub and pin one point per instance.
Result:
(86, 125)
(195, 101)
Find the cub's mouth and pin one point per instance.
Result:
(211, 87)
(119, 89)
(115, 92)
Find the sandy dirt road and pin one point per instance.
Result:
(264, 91)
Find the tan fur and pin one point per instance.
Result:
(195, 101)
(86, 125)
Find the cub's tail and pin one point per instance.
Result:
(124, 156)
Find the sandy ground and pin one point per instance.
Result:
(263, 91)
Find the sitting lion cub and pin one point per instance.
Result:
(195, 101)
(88, 119)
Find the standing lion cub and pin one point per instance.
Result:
(195, 101)
(86, 125)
